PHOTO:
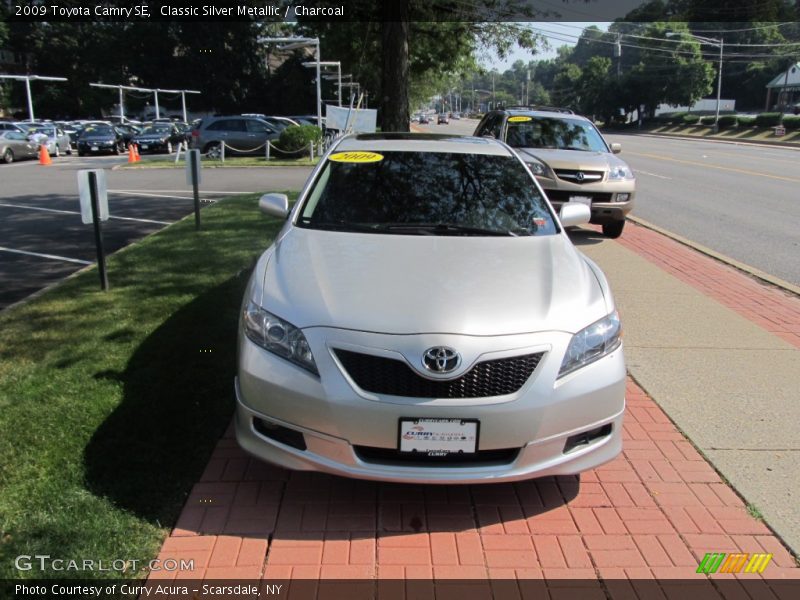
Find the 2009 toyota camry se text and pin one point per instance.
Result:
(423, 316)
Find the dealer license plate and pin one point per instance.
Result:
(95, 148)
(439, 437)
(587, 200)
(144, 146)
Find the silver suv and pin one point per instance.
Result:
(570, 159)
(241, 135)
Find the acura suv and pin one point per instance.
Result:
(422, 316)
(570, 159)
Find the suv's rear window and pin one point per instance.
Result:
(561, 134)
(491, 195)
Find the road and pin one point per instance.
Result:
(44, 240)
(739, 200)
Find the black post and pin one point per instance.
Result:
(193, 159)
(98, 233)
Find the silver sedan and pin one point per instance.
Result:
(14, 145)
(423, 317)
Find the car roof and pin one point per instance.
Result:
(422, 142)
(513, 112)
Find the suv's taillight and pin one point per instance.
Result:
(195, 133)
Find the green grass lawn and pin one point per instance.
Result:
(168, 162)
(111, 403)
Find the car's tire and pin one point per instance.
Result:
(213, 150)
(69, 150)
(8, 156)
(80, 153)
(57, 152)
(169, 147)
(613, 229)
(118, 149)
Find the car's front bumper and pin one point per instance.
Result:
(610, 200)
(337, 420)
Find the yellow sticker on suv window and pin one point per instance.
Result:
(519, 119)
(356, 157)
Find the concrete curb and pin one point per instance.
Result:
(752, 271)
(762, 144)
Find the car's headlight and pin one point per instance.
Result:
(537, 167)
(595, 341)
(620, 173)
(278, 336)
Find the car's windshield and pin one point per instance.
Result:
(95, 130)
(43, 129)
(562, 134)
(427, 193)
(156, 130)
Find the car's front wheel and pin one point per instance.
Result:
(613, 229)
(8, 156)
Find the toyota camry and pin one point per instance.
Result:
(422, 316)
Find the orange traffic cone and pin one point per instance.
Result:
(131, 154)
(44, 156)
(136, 152)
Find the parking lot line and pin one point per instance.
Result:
(50, 256)
(74, 212)
(149, 195)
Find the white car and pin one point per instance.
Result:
(422, 316)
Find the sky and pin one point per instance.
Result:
(557, 34)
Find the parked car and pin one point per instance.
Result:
(241, 135)
(428, 326)
(8, 126)
(96, 139)
(442, 119)
(15, 145)
(570, 159)
(424, 120)
(159, 137)
(128, 132)
(53, 137)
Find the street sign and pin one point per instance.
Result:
(193, 156)
(84, 191)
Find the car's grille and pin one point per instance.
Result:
(577, 176)
(393, 377)
(564, 196)
(391, 456)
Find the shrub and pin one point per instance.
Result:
(768, 119)
(691, 119)
(746, 121)
(727, 121)
(792, 122)
(297, 137)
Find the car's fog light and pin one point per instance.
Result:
(623, 197)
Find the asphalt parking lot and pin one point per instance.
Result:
(44, 240)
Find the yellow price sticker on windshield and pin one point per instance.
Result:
(356, 157)
(519, 119)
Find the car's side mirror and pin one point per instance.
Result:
(616, 148)
(274, 205)
(574, 213)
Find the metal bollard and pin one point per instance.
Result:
(268, 150)
(222, 151)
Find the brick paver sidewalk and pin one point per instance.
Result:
(652, 514)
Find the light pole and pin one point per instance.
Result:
(720, 43)
(293, 43)
(27, 79)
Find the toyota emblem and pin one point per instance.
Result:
(441, 359)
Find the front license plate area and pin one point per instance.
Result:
(95, 148)
(587, 200)
(145, 146)
(439, 437)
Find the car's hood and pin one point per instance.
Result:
(573, 159)
(406, 284)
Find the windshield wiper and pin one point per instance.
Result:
(445, 228)
(338, 226)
